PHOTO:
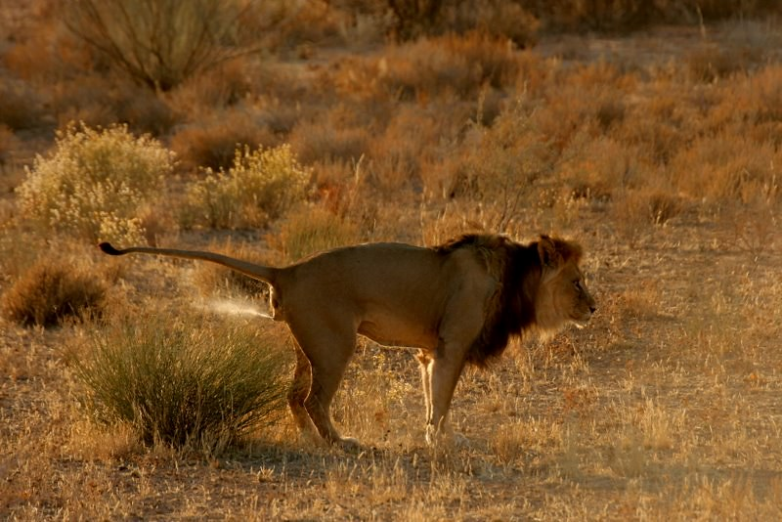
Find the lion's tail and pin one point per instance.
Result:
(264, 273)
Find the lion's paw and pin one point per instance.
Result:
(439, 438)
(349, 444)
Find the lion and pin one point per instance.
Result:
(457, 303)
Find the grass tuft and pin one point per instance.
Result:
(184, 385)
(50, 294)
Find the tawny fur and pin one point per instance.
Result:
(458, 302)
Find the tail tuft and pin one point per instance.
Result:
(110, 250)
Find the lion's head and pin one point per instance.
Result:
(562, 296)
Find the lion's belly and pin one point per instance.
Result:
(391, 331)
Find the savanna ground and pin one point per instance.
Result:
(656, 145)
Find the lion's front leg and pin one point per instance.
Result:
(444, 372)
(425, 367)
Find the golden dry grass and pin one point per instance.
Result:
(658, 151)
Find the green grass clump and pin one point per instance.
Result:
(260, 186)
(97, 183)
(186, 384)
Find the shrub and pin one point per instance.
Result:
(20, 107)
(498, 18)
(413, 18)
(312, 231)
(190, 384)
(261, 185)
(160, 43)
(727, 169)
(460, 64)
(8, 143)
(212, 142)
(51, 293)
(328, 141)
(96, 183)
(505, 161)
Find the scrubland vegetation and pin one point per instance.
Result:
(650, 131)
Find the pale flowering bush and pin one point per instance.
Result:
(260, 186)
(97, 184)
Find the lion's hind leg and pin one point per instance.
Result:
(328, 352)
(300, 388)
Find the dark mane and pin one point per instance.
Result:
(511, 310)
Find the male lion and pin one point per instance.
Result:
(458, 302)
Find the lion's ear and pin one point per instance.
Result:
(550, 257)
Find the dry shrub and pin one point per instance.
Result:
(312, 230)
(708, 63)
(610, 112)
(99, 102)
(727, 168)
(498, 18)
(758, 98)
(568, 112)
(339, 135)
(716, 9)
(510, 20)
(142, 110)
(97, 184)
(20, 106)
(227, 85)
(660, 127)
(316, 25)
(86, 100)
(43, 53)
(161, 43)
(8, 143)
(754, 226)
(628, 15)
(183, 382)
(504, 161)
(409, 143)
(595, 14)
(52, 293)
(535, 73)
(588, 99)
(260, 186)
(414, 18)
(636, 210)
(595, 169)
(454, 64)
(213, 142)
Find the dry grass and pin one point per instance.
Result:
(212, 143)
(659, 151)
(51, 293)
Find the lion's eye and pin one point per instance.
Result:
(577, 284)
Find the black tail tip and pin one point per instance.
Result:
(110, 250)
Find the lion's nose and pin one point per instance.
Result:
(593, 308)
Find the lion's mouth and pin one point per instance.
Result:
(581, 321)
